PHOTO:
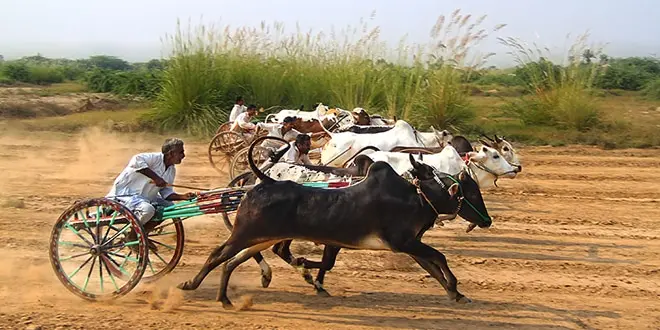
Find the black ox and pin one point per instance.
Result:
(383, 212)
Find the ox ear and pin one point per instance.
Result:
(475, 156)
(453, 190)
(461, 176)
(413, 162)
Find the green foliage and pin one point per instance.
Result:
(106, 62)
(652, 89)
(139, 83)
(209, 67)
(631, 73)
(559, 94)
(32, 73)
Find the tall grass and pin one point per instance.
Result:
(353, 67)
(560, 94)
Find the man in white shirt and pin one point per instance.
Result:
(297, 153)
(238, 109)
(284, 131)
(145, 182)
(243, 125)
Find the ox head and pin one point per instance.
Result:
(443, 137)
(504, 148)
(453, 195)
(492, 166)
(361, 117)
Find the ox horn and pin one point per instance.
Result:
(486, 136)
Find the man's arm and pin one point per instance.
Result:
(153, 176)
(245, 123)
(306, 160)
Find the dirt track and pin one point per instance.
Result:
(574, 245)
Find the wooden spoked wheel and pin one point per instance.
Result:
(239, 163)
(98, 249)
(224, 127)
(223, 146)
(165, 242)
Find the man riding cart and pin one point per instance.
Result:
(145, 183)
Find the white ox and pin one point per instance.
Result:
(344, 145)
(320, 113)
(485, 165)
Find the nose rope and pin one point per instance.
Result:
(468, 162)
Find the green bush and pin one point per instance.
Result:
(652, 89)
(560, 95)
(631, 73)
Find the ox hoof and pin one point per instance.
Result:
(464, 300)
(227, 305)
(184, 286)
(265, 280)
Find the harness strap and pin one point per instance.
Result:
(440, 219)
(421, 194)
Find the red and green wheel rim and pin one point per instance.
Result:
(98, 249)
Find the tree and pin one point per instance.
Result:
(587, 55)
(109, 63)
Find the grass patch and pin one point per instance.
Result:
(559, 95)
(652, 90)
(130, 120)
(209, 67)
(31, 109)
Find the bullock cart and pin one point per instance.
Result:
(99, 250)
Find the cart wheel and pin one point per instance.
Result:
(165, 243)
(222, 147)
(98, 249)
(239, 163)
(223, 128)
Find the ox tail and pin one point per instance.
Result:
(260, 175)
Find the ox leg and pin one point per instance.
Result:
(329, 257)
(421, 251)
(283, 251)
(229, 267)
(266, 272)
(219, 255)
(434, 270)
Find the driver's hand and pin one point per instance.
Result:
(191, 195)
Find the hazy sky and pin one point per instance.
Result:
(132, 29)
